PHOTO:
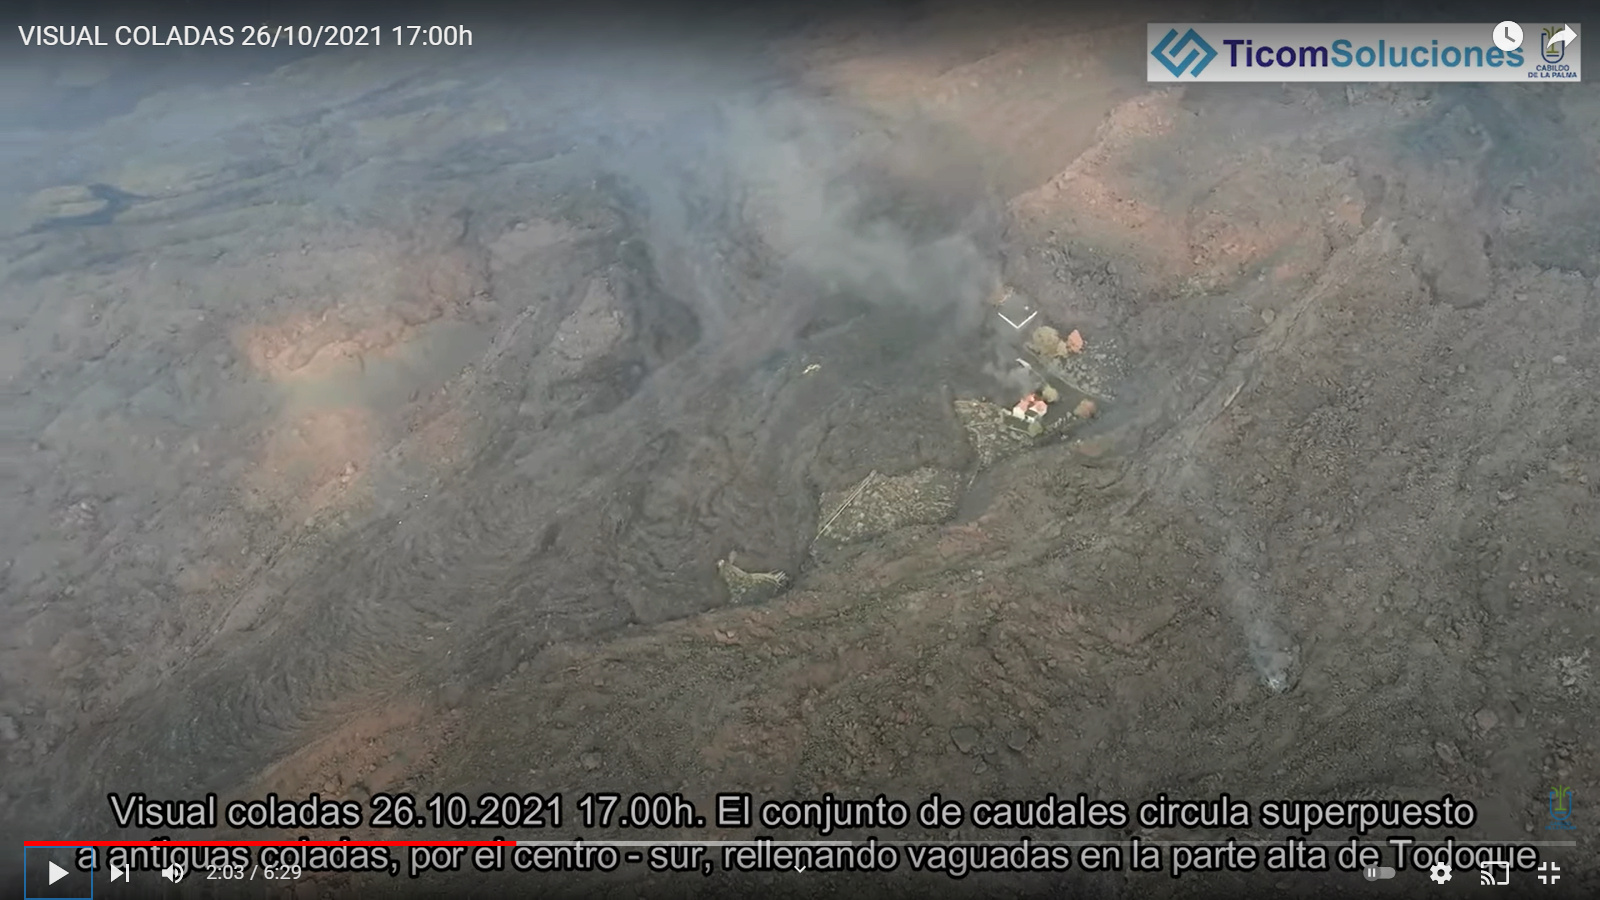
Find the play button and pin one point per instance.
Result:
(53, 873)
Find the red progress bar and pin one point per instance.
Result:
(283, 843)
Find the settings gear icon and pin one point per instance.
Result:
(1440, 873)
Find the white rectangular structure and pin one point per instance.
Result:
(1535, 52)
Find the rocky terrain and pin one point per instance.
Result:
(379, 424)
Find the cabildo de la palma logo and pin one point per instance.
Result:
(1189, 53)
(1553, 43)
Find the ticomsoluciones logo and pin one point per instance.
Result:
(1189, 54)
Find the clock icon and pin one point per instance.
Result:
(1508, 36)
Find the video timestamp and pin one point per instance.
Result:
(531, 810)
(250, 873)
(320, 36)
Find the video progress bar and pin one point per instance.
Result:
(773, 842)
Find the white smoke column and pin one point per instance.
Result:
(799, 164)
(1273, 653)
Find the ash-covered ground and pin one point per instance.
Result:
(390, 422)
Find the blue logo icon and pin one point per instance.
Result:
(1172, 48)
(1552, 52)
(1561, 810)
